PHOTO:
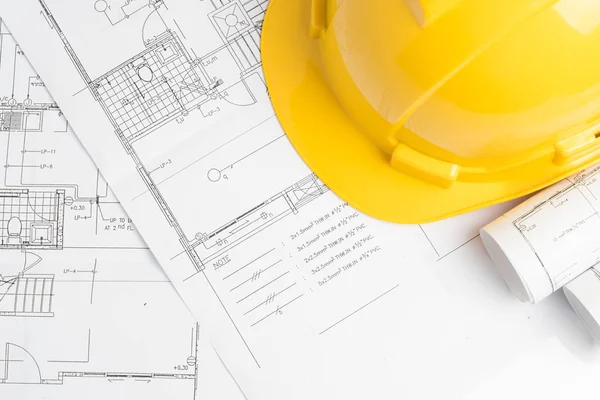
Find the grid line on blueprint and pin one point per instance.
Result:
(33, 218)
(151, 88)
(256, 10)
(28, 295)
(247, 49)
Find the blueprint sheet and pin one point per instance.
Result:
(85, 310)
(550, 239)
(302, 296)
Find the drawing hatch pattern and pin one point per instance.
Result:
(152, 88)
(32, 220)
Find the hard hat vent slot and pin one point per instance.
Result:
(418, 165)
(578, 147)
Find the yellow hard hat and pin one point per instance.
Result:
(417, 110)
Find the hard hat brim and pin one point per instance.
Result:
(340, 154)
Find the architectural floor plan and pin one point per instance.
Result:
(85, 311)
(169, 99)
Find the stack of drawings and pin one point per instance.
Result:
(293, 294)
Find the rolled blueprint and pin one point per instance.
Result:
(583, 294)
(550, 239)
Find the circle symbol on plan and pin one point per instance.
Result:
(145, 73)
(27, 102)
(231, 20)
(100, 5)
(191, 361)
(12, 102)
(214, 175)
(68, 201)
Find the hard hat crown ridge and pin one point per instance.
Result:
(437, 106)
